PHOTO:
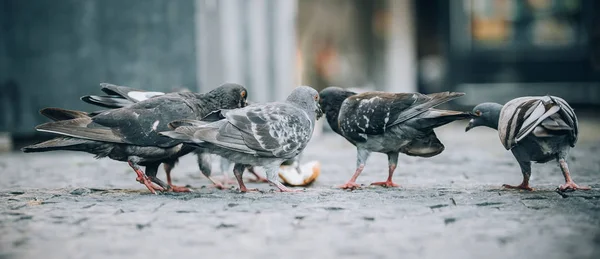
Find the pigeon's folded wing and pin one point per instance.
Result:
(141, 125)
(372, 113)
(119, 96)
(129, 93)
(521, 116)
(278, 130)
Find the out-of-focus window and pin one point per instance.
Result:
(523, 24)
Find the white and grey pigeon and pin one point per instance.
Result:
(131, 133)
(537, 128)
(258, 135)
(389, 123)
(123, 96)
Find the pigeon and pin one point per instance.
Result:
(123, 96)
(131, 133)
(389, 123)
(258, 135)
(535, 128)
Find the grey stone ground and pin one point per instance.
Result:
(68, 205)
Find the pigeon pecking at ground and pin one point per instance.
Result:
(539, 129)
(389, 123)
(123, 96)
(259, 135)
(131, 133)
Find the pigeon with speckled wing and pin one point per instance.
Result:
(258, 135)
(131, 133)
(389, 123)
(536, 128)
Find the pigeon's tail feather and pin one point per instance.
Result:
(436, 99)
(78, 128)
(58, 114)
(435, 118)
(443, 97)
(110, 101)
(69, 144)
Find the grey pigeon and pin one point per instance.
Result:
(538, 129)
(131, 133)
(123, 96)
(259, 135)
(389, 123)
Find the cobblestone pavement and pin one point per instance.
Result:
(69, 205)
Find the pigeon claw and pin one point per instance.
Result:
(571, 186)
(386, 184)
(349, 185)
(520, 187)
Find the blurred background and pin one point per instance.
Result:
(53, 52)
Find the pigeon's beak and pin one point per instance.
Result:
(470, 125)
(319, 111)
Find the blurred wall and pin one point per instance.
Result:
(251, 42)
(53, 52)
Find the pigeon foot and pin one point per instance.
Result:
(521, 187)
(349, 185)
(151, 186)
(571, 186)
(216, 183)
(283, 188)
(244, 189)
(175, 188)
(386, 184)
(258, 180)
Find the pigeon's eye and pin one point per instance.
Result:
(243, 94)
(478, 113)
(316, 97)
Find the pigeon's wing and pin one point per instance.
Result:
(109, 101)
(372, 113)
(129, 93)
(140, 123)
(119, 96)
(567, 114)
(274, 130)
(519, 117)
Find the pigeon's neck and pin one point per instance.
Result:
(332, 112)
(493, 117)
(205, 104)
(307, 106)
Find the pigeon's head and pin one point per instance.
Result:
(485, 114)
(308, 99)
(331, 100)
(230, 96)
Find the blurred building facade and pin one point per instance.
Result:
(53, 52)
(497, 50)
